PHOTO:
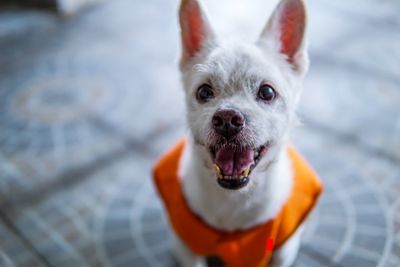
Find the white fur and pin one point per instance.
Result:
(258, 202)
(236, 71)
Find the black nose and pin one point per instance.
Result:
(228, 122)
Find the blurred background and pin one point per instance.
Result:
(90, 97)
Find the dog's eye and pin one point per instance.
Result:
(204, 93)
(266, 93)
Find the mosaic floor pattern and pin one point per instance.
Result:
(88, 103)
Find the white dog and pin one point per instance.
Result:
(235, 171)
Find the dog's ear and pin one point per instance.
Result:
(196, 32)
(287, 27)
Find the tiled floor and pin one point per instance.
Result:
(87, 104)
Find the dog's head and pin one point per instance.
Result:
(241, 98)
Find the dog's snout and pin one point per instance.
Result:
(228, 122)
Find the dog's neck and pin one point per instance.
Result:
(229, 210)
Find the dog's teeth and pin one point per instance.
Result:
(246, 172)
(218, 171)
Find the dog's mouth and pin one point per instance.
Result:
(233, 164)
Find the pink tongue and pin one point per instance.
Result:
(233, 162)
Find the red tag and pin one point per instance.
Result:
(270, 244)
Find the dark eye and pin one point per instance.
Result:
(204, 93)
(266, 93)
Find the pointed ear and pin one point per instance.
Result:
(195, 29)
(287, 27)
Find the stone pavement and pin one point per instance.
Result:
(88, 103)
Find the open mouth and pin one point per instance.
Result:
(233, 164)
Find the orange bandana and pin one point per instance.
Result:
(250, 247)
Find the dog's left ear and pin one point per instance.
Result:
(286, 27)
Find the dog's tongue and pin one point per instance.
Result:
(232, 162)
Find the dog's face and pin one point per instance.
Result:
(241, 98)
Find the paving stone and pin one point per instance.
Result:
(14, 252)
(375, 219)
(332, 233)
(120, 247)
(73, 240)
(351, 260)
(371, 243)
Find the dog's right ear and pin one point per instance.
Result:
(196, 32)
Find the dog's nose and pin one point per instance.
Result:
(228, 122)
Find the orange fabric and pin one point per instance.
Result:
(240, 248)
